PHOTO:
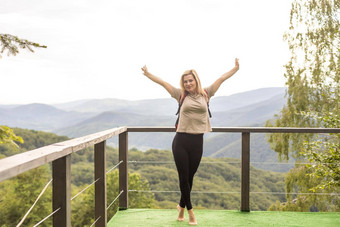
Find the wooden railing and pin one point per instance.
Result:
(60, 154)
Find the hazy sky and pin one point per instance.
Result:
(97, 47)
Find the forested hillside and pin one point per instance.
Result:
(151, 172)
(79, 118)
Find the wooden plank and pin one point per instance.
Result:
(245, 172)
(61, 197)
(123, 171)
(151, 129)
(276, 130)
(16, 164)
(241, 129)
(100, 185)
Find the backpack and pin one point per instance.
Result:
(181, 100)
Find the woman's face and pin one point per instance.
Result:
(189, 83)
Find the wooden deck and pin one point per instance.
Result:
(211, 218)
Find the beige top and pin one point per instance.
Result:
(194, 115)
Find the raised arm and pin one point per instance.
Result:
(157, 80)
(225, 76)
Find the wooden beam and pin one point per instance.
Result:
(61, 197)
(100, 185)
(151, 129)
(245, 172)
(275, 130)
(123, 171)
(20, 163)
(240, 129)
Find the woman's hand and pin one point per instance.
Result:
(145, 70)
(156, 79)
(219, 81)
(237, 65)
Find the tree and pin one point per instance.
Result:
(19, 193)
(7, 136)
(12, 44)
(83, 207)
(313, 98)
(313, 72)
(324, 156)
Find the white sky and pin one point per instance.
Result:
(97, 47)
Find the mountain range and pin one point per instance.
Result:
(82, 117)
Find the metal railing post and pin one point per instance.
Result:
(123, 170)
(245, 165)
(100, 185)
(61, 195)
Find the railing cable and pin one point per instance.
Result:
(29, 210)
(95, 221)
(296, 193)
(85, 189)
(172, 162)
(114, 166)
(47, 217)
(300, 163)
(238, 162)
(205, 192)
(152, 162)
(197, 192)
(115, 199)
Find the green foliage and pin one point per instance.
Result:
(33, 139)
(324, 156)
(83, 205)
(7, 137)
(321, 176)
(313, 98)
(82, 208)
(299, 196)
(213, 176)
(313, 72)
(12, 44)
(19, 193)
(219, 179)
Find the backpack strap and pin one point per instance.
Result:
(181, 100)
(208, 103)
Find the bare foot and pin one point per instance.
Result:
(192, 219)
(180, 213)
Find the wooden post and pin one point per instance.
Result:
(245, 172)
(100, 185)
(61, 173)
(123, 170)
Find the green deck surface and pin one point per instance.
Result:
(160, 217)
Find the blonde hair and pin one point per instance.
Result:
(199, 89)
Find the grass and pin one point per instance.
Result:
(166, 217)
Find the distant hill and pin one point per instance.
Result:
(39, 117)
(82, 117)
(169, 106)
(148, 113)
(143, 107)
(250, 115)
(108, 120)
(239, 100)
(229, 145)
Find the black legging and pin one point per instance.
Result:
(187, 150)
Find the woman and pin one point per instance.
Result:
(187, 146)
